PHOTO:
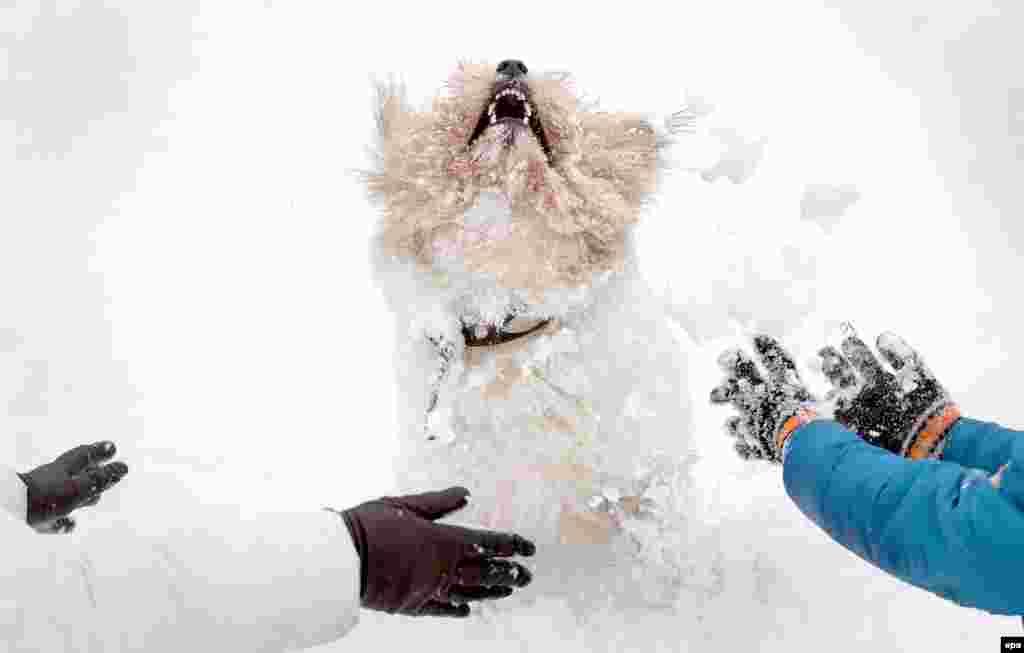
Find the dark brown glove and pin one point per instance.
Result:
(771, 406)
(74, 480)
(907, 411)
(413, 566)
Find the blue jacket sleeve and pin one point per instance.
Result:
(934, 524)
(982, 445)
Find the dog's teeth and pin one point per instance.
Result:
(511, 91)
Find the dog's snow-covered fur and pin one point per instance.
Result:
(507, 210)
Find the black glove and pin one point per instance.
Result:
(907, 413)
(412, 566)
(73, 480)
(770, 409)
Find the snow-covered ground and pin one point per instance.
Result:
(184, 268)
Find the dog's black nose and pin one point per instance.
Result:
(512, 68)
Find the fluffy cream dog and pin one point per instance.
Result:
(535, 367)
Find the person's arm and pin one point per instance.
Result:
(990, 447)
(934, 524)
(45, 496)
(982, 445)
(871, 479)
(205, 579)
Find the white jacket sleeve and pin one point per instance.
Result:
(205, 579)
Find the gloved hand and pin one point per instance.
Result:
(73, 480)
(412, 566)
(770, 409)
(907, 413)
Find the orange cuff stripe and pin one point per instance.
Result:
(803, 416)
(933, 430)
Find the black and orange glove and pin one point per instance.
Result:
(771, 407)
(907, 412)
(74, 480)
(413, 566)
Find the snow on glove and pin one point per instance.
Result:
(907, 413)
(73, 480)
(770, 408)
(413, 566)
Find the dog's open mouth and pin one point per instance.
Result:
(510, 106)
(512, 328)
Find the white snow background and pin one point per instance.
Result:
(184, 268)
